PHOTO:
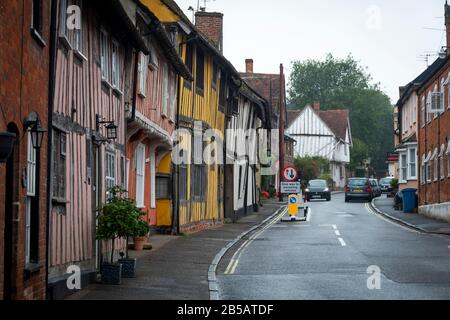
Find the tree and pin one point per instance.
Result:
(310, 168)
(360, 152)
(343, 83)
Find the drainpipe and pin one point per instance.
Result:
(51, 93)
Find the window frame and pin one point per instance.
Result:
(140, 176)
(441, 162)
(104, 55)
(412, 163)
(115, 65)
(110, 172)
(142, 74)
(59, 161)
(404, 166)
(200, 70)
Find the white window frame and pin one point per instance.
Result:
(140, 175)
(404, 166)
(435, 165)
(78, 33)
(110, 172)
(165, 89)
(448, 91)
(412, 163)
(143, 70)
(423, 171)
(442, 91)
(31, 193)
(428, 107)
(448, 159)
(115, 65)
(63, 31)
(428, 167)
(104, 54)
(441, 162)
(423, 119)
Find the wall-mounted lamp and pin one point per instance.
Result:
(33, 125)
(111, 127)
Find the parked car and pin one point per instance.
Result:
(317, 189)
(376, 187)
(359, 188)
(385, 185)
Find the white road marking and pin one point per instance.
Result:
(370, 210)
(237, 255)
(334, 226)
(342, 242)
(337, 233)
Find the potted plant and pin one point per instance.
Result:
(119, 218)
(141, 235)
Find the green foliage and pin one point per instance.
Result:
(343, 83)
(394, 184)
(119, 218)
(359, 153)
(310, 168)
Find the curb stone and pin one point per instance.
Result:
(402, 222)
(212, 280)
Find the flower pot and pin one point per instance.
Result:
(111, 273)
(6, 145)
(139, 243)
(128, 267)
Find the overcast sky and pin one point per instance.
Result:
(386, 36)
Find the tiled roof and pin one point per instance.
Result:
(292, 115)
(337, 121)
(267, 85)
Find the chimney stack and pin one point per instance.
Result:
(248, 65)
(447, 25)
(317, 106)
(211, 25)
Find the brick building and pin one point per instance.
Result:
(434, 136)
(24, 84)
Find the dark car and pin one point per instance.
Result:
(376, 187)
(359, 189)
(385, 185)
(317, 189)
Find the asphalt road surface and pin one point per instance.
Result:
(344, 251)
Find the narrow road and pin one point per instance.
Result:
(336, 255)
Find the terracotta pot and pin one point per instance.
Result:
(139, 243)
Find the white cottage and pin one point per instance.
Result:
(323, 133)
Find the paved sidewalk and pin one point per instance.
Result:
(385, 206)
(177, 266)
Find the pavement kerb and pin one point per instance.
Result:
(212, 279)
(399, 221)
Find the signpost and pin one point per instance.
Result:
(290, 174)
(293, 205)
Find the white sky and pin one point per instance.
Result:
(386, 36)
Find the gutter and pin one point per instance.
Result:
(51, 93)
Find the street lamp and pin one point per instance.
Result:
(111, 127)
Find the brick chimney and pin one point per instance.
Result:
(211, 25)
(447, 25)
(317, 106)
(248, 65)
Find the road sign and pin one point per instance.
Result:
(293, 205)
(290, 174)
(290, 187)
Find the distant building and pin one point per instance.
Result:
(323, 133)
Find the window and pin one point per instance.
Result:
(441, 162)
(59, 165)
(115, 65)
(422, 111)
(428, 107)
(31, 193)
(163, 187)
(198, 173)
(200, 69)
(448, 159)
(403, 167)
(104, 55)
(63, 31)
(422, 171)
(223, 90)
(173, 95)
(140, 175)
(441, 94)
(36, 23)
(428, 167)
(435, 165)
(110, 173)
(78, 34)
(142, 67)
(412, 164)
(435, 103)
(448, 91)
(183, 175)
(165, 88)
(214, 75)
(189, 56)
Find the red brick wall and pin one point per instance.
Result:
(432, 136)
(24, 70)
(211, 25)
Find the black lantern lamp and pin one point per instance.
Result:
(111, 127)
(7, 140)
(33, 125)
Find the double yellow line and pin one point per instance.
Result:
(237, 255)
